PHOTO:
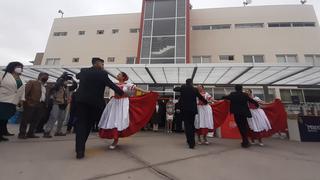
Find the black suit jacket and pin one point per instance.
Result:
(188, 98)
(239, 103)
(92, 86)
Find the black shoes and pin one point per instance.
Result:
(245, 145)
(32, 136)
(47, 135)
(80, 155)
(8, 134)
(3, 139)
(59, 134)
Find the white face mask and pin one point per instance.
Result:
(18, 70)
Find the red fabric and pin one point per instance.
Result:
(141, 109)
(277, 116)
(275, 112)
(203, 131)
(229, 129)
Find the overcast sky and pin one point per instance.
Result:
(25, 24)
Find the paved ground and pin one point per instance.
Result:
(149, 155)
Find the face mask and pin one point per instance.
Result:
(18, 70)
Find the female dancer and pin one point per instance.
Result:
(124, 115)
(259, 121)
(204, 119)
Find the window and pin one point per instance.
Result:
(131, 60)
(211, 27)
(111, 59)
(201, 59)
(313, 59)
(134, 30)
(287, 58)
(253, 59)
(312, 95)
(250, 25)
(115, 31)
(226, 58)
(60, 33)
(53, 61)
(82, 33)
(100, 32)
(292, 24)
(75, 60)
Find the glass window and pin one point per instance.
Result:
(134, 30)
(206, 59)
(297, 92)
(180, 61)
(249, 25)
(144, 61)
(287, 58)
(147, 28)
(196, 59)
(181, 8)
(163, 47)
(162, 61)
(313, 59)
(164, 27)
(131, 60)
(115, 31)
(221, 26)
(292, 58)
(82, 33)
(248, 59)
(226, 58)
(180, 46)
(312, 95)
(165, 8)
(285, 95)
(75, 60)
(53, 61)
(281, 58)
(181, 26)
(145, 51)
(100, 32)
(111, 59)
(203, 27)
(148, 10)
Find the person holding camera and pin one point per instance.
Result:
(60, 95)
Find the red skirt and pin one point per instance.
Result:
(141, 109)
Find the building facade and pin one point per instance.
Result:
(262, 34)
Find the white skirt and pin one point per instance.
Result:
(259, 121)
(115, 115)
(204, 118)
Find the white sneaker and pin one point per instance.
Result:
(199, 142)
(206, 143)
(112, 147)
(261, 144)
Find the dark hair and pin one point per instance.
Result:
(249, 90)
(189, 81)
(11, 66)
(125, 76)
(96, 59)
(238, 88)
(42, 74)
(201, 86)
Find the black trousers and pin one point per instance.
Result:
(243, 127)
(87, 115)
(3, 127)
(31, 115)
(188, 118)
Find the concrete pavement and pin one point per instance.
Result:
(149, 155)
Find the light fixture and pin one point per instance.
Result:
(303, 1)
(61, 12)
(247, 2)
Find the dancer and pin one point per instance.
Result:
(259, 122)
(204, 119)
(121, 118)
(239, 107)
(188, 99)
(90, 101)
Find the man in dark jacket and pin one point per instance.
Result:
(188, 100)
(90, 100)
(239, 107)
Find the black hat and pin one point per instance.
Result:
(96, 59)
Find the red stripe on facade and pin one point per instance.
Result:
(140, 32)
